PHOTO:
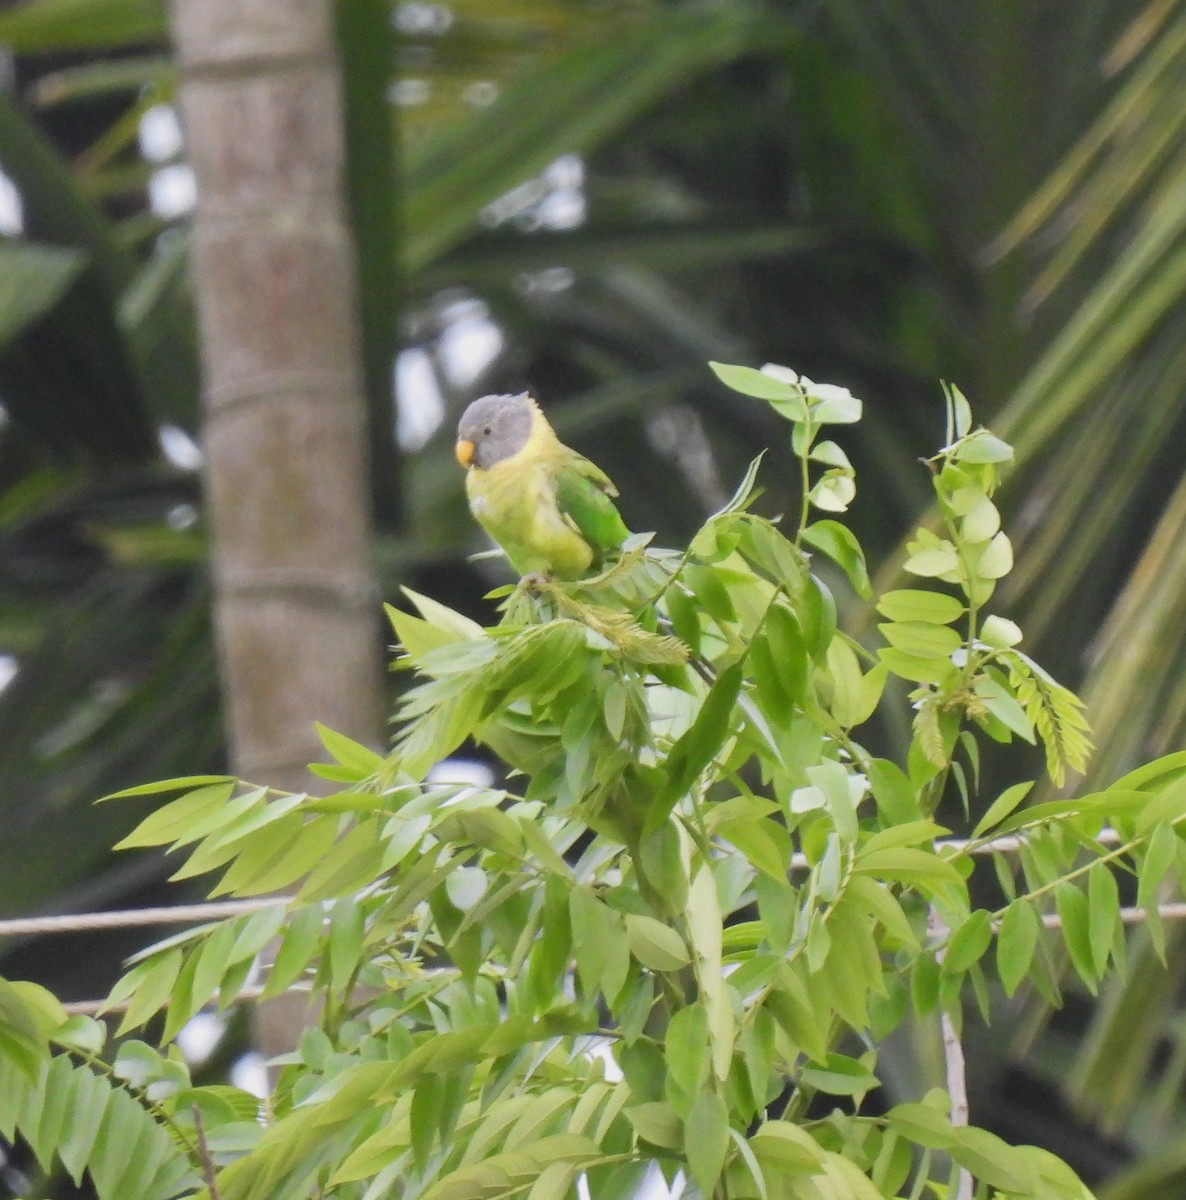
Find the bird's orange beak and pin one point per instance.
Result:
(464, 452)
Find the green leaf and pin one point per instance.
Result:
(744, 493)
(685, 616)
(934, 561)
(82, 1033)
(173, 820)
(1002, 806)
(883, 906)
(22, 1040)
(599, 943)
(836, 405)
(981, 521)
(1005, 707)
(89, 1094)
(912, 605)
(1073, 916)
(839, 543)
(906, 865)
(959, 413)
(968, 943)
(169, 785)
(424, 1117)
(1017, 939)
(347, 865)
(788, 651)
(751, 1162)
(555, 1181)
(921, 639)
(834, 492)
(1169, 768)
(923, 1125)
(817, 616)
(996, 559)
(466, 886)
(445, 619)
(787, 1148)
(655, 1122)
(759, 384)
(359, 758)
(763, 843)
(999, 633)
(841, 793)
(1159, 856)
(33, 278)
(137, 1063)
(1103, 906)
(706, 1140)
(905, 832)
(841, 1076)
(296, 847)
(992, 1160)
(660, 861)
(297, 947)
(656, 945)
(153, 74)
(704, 924)
(214, 822)
(827, 884)
(41, 1008)
(613, 709)
(897, 799)
(913, 668)
(416, 637)
(831, 455)
(851, 700)
(983, 447)
(499, 254)
(710, 591)
(696, 748)
(152, 982)
(686, 1050)
(347, 930)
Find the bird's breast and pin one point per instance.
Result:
(515, 501)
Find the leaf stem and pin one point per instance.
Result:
(805, 480)
(205, 1157)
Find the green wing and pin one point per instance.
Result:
(583, 492)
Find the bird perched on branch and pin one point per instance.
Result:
(547, 506)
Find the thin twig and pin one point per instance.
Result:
(1128, 916)
(204, 1155)
(953, 1057)
(216, 910)
(174, 914)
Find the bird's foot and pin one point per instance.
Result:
(534, 581)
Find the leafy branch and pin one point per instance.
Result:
(678, 737)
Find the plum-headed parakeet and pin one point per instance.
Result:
(546, 505)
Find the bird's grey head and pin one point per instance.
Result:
(493, 429)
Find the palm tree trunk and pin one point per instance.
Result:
(285, 417)
(285, 425)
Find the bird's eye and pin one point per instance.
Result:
(487, 431)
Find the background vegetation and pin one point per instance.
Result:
(606, 194)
